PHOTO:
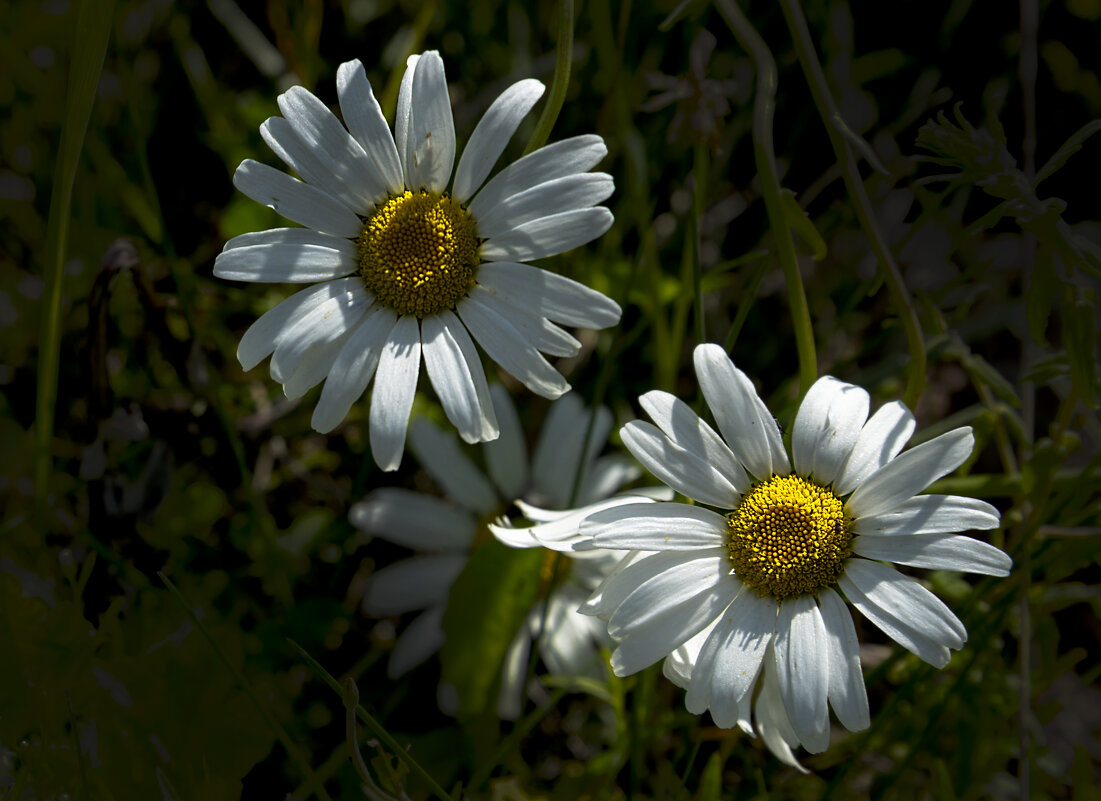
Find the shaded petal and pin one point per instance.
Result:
(323, 323)
(353, 368)
(564, 194)
(847, 694)
(262, 336)
(507, 456)
(510, 697)
(291, 236)
(563, 453)
(911, 472)
(682, 425)
(574, 155)
(403, 118)
(315, 365)
(937, 552)
(803, 672)
(460, 385)
(285, 263)
(656, 527)
(492, 134)
(413, 519)
(392, 398)
(552, 296)
(363, 116)
(772, 719)
(510, 349)
(297, 201)
(431, 144)
(421, 638)
(631, 572)
(931, 514)
(441, 456)
(539, 331)
(826, 428)
(880, 440)
(548, 236)
(745, 422)
(413, 583)
(607, 475)
(685, 472)
(680, 583)
(563, 533)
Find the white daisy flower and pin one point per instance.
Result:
(409, 260)
(746, 600)
(442, 531)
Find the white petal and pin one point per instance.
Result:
(314, 366)
(880, 441)
(656, 527)
(302, 203)
(440, 454)
(413, 583)
(744, 420)
(802, 670)
(772, 719)
(353, 368)
(682, 425)
(540, 332)
(413, 519)
(562, 454)
(548, 236)
(826, 428)
(563, 533)
(678, 666)
(507, 456)
(549, 295)
(627, 576)
(510, 698)
(421, 638)
(937, 552)
(911, 472)
(363, 116)
(323, 323)
(574, 155)
(553, 197)
(403, 118)
(905, 611)
(291, 236)
(430, 153)
(846, 681)
(931, 514)
(260, 339)
(285, 263)
(392, 397)
(685, 472)
(460, 385)
(607, 475)
(492, 134)
(510, 349)
(680, 583)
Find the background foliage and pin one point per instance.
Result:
(166, 457)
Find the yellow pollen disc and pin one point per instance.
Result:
(788, 537)
(418, 253)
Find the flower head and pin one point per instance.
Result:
(745, 600)
(411, 258)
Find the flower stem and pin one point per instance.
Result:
(850, 171)
(699, 197)
(764, 107)
(557, 95)
(93, 30)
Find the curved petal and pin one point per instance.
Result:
(363, 116)
(297, 201)
(568, 193)
(492, 134)
(682, 582)
(510, 349)
(413, 583)
(510, 697)
(441, 456)
(931, 514)
(772, 719)
(656, 527)
(685, 472)
(415, 520)
(421, 638)
(430, 153)
(826, 428)
(549, 295)
(937, 552)
(880, 440)
(291, 236)
(298, 264)
(460, 385)
(802, 672)
(911, 472)
(847, 694)
(321, 324)
(548, 236)
(353, 368)
(314, 367)
(262, 336)
(403, 118)
(507, 456)
(392, 398)
(745, 422)
(539, 331)
(629, 573)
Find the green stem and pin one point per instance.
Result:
(854, 184)
(368, 720)
(699, 197)
(557, 95)
(288, 744)
(764, 107)
(519, 731)
(93, 30)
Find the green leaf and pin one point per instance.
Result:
(800, 223)
(489, 602)
(711, 782)
(1080, 337)
(1069, 148)
(1041, 294)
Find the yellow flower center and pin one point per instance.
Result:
(418, 253)
(788, 537)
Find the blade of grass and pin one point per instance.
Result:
(557, 95)
(91, 34)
